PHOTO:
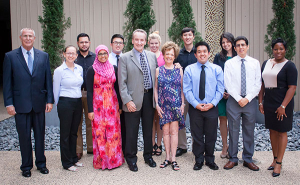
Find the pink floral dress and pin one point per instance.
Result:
(106, 128)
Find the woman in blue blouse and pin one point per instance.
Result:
(67, 81)
(227, 52)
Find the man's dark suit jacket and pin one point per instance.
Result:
(23, 90)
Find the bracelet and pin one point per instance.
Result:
(282, 106)
(260, 104)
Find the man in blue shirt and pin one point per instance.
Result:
(203, 87)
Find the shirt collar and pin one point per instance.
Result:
(89, 53)
(239, 58)
(64, 66)
(136, 52)
(200, 65)
(24, 51)
(115, 55)
(187, 51)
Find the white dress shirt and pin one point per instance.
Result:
(232, 77)
(24, 51)
(113, 58)
(67, 83)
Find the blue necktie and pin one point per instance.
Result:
(30, 62)
(243, 78)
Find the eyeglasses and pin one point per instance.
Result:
(102, 54)
(117, 43)
(240, 45)
(71, 54)
(30, 36)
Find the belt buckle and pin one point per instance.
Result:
(146, 90)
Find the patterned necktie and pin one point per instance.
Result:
(145, 71)
(243, 78)
(118, 57)
(30, 62)
(202, 83)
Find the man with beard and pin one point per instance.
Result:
(85, 59)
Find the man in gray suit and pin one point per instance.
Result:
(136, 73)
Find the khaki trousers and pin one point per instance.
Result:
(89, 136)
(182, 141)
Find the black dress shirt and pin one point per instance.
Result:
(85, 63)
(186, 58)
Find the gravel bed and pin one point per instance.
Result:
(9, 137)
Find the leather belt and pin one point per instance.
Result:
(147, 90)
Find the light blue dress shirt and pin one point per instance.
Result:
(113, 58)
(138, 57)
(24, 51)
(67, 83)
(214, 83)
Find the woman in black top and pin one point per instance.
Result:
(227, 52)
(278, 88)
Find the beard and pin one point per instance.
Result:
(84, 50)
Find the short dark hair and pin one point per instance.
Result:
(240, 38)
(116, 36)
(279, 40)
(187, 29)
(201, 43)
(83, 35)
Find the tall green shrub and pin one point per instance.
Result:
(139, 15)
(54, 25)
(282, 25)
(182, 17)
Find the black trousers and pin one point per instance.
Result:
(132, 121)
(24, 123)
(204, 124)
(123, 131)
(69, 113)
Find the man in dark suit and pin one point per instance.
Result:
(136, 76)
(28, 94)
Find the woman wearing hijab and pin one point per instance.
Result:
(104, 112)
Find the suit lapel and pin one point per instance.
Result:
(22, 60)
(135, 61)
(36, 58)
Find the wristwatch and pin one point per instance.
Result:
(282, 106)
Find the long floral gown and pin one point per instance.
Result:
(106, 128)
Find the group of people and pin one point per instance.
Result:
(155, 88)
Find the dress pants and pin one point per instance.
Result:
(132, 121)
(24, 123)
(89, 135)
(182, 140)
(123, 131)
(234, 113)
(69, 113)
(204, 123)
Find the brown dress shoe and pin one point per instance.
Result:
(251, 166)
(79, 155)
(230, 165)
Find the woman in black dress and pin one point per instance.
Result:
(278, 88)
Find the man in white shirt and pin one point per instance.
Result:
(117, 45)
(242, 79)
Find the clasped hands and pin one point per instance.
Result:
(204, 107)
(243, 102)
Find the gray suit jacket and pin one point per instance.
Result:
(131, 80)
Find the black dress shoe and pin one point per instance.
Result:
(26, 173)
(133, 167)
(212, 166)
(150, 162)
(180, 151)
(198, 166)
(44, 170)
